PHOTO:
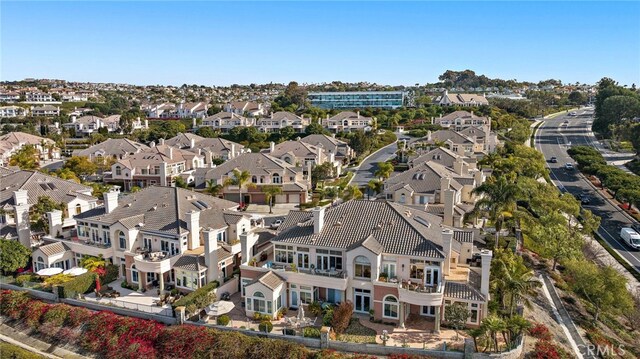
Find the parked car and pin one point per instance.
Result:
(585, 200)
(573, 114)
(568, 166)
(553, 159)
(275, 224)
(630, 237)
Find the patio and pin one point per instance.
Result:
(417, 334)
(144, 302)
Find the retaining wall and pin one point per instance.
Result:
(50, 297)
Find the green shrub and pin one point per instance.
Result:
(327, 318)
(13, 351)
(23, 278)
(315, 308)
(311, 332)
(261, 317)
(265, 326)
(111, 274)
(79, 285)
(199, 298)
(223, 320)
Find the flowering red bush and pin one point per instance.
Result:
(78, 316)
(33, 312)
(12, 303)
(540, 331)
(544, 349)
(57, 314)
(179, 340)
(128, 348)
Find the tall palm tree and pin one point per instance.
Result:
(494, 325)
(518, 284)
(498, 199)
(270, 192)
(240, 179)
(516, 325)
(213, 188)
(476, 334)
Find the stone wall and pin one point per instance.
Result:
(46, 296)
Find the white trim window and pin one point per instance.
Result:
(389, 268)
(243, 285)
(361, 267)
(283, 254)
(428, 310)
(135, 275)
(259, 304)
(390, 307)
(474, 312)
(328, 259)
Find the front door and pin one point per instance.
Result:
(294, 298)
(362, 300)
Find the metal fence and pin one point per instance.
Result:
(152, 309)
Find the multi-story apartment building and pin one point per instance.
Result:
(387, 259)
(157, 236)
(12, 111)
(45, 110)
(225, 121)
(86, 125)
(460, 99)
(340, 149)
(439, 190)
(281, 119)
(348, 121)
(245, 108)
(353, 100)
(20, 192)
(192, 110)
(455, 141)
(159, 165)
(264, 170)
(302, 154)
(38, 97)
(459, 120)
(211, 148)
(117, 148)
(13, 141)
(9, 96)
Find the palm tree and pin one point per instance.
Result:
(499, 199)
(240, 179)
(476, 334)
(92, 263)
(270, 191)
(385, 169)
(352, 192)
(494, 325)
(374, 186)
(518, 284)
(213, 188)
(516, 325)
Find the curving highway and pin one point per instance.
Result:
(553, 138)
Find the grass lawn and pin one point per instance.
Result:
(358, 333)
(15, 352)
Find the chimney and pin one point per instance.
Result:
(163, 174)
(458, 166)
(152, 144)
(209, 158)
(447, 239)
(55, 222)
(193, 225)
(479, 177)
(194, 123)
(448, 207)
(332, 157)
(358, 113)
(232, 153)
(485, 256)
(445, 184)
(192, 143)
(170, 152)
(471, 113)
(110, 200)
(146, 123)
(318, 219)
(56, 124)
(20, 197)
(73, 119)
(211, 254)
(428, 135)
(272, 146)
(23, 225)
(161, 141)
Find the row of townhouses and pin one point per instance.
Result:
(14, 141)
(86, 125)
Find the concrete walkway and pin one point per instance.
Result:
(564, 319)
(12, 336)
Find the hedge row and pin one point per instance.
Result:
(107, 335)
(78, 285)
(111, 274)
(198, 297)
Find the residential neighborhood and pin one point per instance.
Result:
(319, 180)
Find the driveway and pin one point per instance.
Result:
(365, 172)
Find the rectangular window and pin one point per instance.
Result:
(283, 254)
(327, 260)
(389, 269)
(475, 309)
(122, 242)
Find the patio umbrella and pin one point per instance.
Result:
(49, 271)
(75, 271)
(220, 307)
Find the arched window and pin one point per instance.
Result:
(362, 267)
(257, 303)
(261, 179)
(118, 171)
(287, 160)
(122, 240)
(254, 179)
(276, 178)
(390, 307)
(78, 208)
(258, 295)
(402, 198)
(135, 275)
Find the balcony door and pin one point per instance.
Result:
(362, 300)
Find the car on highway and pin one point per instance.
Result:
(630, 237)
(275, 224)
(553, 159)
(585, 199)
(573, 113)
(568, 166)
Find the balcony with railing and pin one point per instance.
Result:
(330, 278)
(85, 245)
(154, 261)
(420, 294)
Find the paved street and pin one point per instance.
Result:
(552, 139)
(365, 172)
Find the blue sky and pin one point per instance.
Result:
(221, 43)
